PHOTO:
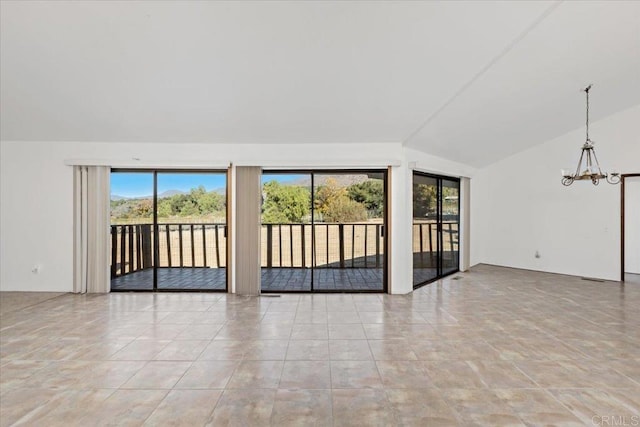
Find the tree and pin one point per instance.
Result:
(424, 200)
(371, 194)
(142, 209)
(207, 203)
(343, 209)
(284, 203)
(334, 204)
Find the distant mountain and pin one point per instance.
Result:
(170, 193)
(341, 180)
(162, 195)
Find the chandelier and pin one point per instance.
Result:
(591, 168)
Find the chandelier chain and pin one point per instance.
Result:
(587, 121)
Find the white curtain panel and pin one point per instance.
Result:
(91, 229)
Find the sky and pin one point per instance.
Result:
(140, 184)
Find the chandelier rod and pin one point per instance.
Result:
(587, 89)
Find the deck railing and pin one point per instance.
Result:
(326, 245)
(179, 245)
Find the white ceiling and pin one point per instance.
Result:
(469, 81)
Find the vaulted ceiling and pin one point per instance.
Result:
(468, 81)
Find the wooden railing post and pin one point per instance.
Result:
(269, 245)
(304, 246)
(421, 242)
(123, 248)
(327, 241)
(366, 232)
(114, 250)
(131, 266)
(180, 245)
(291, 244)
(204, 245)
(430, 245)
(217, 232)
(378, 232)
(450, 237)
(147, 249)
(168, 232)
(193, 247)
(138, 247)
(280, 245)
(353, 245)
(341, 243)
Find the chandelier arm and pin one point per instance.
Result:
(613, 178)
(577, 174)
(597, 162)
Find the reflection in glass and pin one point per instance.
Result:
(425, 229)
(349, 212)
(192, 233)
(132, 236)
(185, 249)
(323, 231)
(286, 240)
(450, 225)
(436, 219)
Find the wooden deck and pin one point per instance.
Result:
(273, 279)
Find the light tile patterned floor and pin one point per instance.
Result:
(499, 346)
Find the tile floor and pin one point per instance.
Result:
(497, 347)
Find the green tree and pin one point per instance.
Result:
(334, 204)
(371, 194)
(164, 208)
(189, 208)
(343, 209)
(209, 203)
(284, 203)
(424, 200)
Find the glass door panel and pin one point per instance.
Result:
(132, 232)
(286, 239)
(192, 231)
(436, 219)
(450, 225)
(425, 229)
(348, 231)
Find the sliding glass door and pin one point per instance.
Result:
(168, 230)
(132, 231)
(450, 225)
(435, 227)
(323, 231)
(192, 213)
(287, 237)
(349, 220)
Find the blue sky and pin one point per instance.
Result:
(281, 177)
(139, 184)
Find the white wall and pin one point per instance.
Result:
(632, 225)
(37, 198)
(520, 206)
